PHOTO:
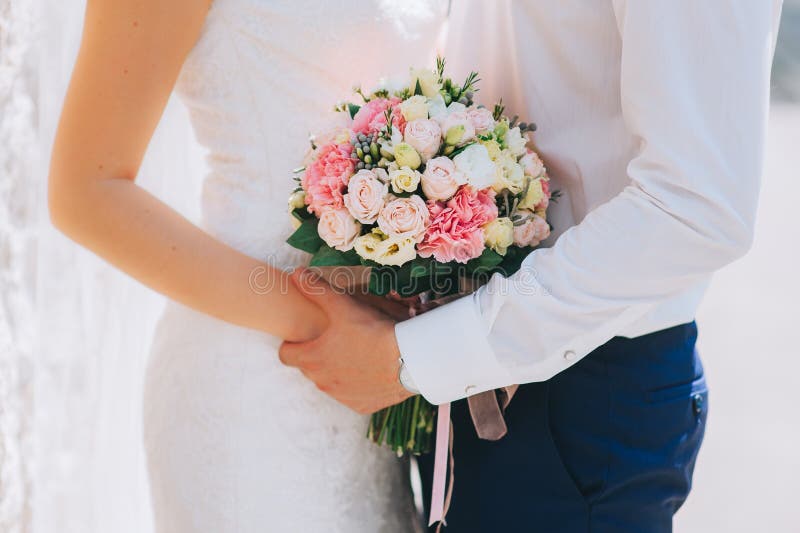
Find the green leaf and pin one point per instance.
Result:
(417, 88)
(459, 150)
(486, 261)
(327, 256)
(353, 109)
(306, 237)
(420, 268)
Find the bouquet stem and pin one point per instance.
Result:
(405, 428)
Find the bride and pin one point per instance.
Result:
(235, 440)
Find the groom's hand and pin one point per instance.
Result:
(356, 359)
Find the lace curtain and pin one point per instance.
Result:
(74, 332)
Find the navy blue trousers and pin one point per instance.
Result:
(608, 445)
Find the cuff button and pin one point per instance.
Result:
(570, 356)
(470, 389)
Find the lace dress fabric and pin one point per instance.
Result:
(236, 442)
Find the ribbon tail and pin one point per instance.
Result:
(440, 464)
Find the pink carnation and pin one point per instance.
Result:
(371, 117)
(326, 178)
(455, 232)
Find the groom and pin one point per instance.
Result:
(651, 118)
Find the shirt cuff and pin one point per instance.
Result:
(447, 353)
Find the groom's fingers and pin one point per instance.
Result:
(297, 354)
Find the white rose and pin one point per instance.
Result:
(414, 108)
(476, 165)
(425, 136)
(441, 180)
(499, 234)
(405, 218)
(365, 196)
(515, 142)
(482, 119)
(532, 163)
(428, 81)
(338, 229)
(404, 179)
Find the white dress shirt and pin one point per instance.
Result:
(652, 118)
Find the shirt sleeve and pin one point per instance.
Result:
(695, 93)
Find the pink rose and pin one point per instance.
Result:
(325, 179)
(455, 232)
(440, 181)
(532, 164)
(457, 128)
(425, 136)
(365, 196)
(404, 218)
(481, 118)
(532, 232)
(338, 229)
(371, 117)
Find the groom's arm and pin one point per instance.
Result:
(695, 91)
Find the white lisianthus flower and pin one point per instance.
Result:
(428, 81)
(437, 108)
(533, 196)
(415, 108)
(404, 179)
(476, 165)
(385, 250)
(499, 234)
(297, 200)
(515, 142)
(511, 175)
(338, 229)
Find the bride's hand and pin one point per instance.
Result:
(356, 359)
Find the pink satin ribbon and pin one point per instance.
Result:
(486, 410)
(440, 464)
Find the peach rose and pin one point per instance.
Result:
(425, 136)
(532, 164)
(481, 118)
(441, 180)
(338, 229)
(404, 218)
(532, 231)
(365, 196)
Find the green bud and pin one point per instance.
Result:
(360, 152)
(454, 135)
(367, 159)
(373, 149)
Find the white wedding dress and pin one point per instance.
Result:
(235, 441)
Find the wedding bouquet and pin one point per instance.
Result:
(427, 190)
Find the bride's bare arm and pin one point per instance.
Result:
(130, 56)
